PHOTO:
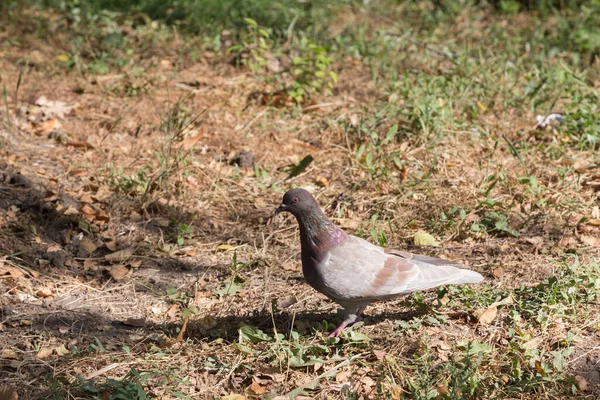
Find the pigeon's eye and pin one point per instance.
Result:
(295, 200)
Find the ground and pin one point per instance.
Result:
(139, 255)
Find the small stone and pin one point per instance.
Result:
(243, 159)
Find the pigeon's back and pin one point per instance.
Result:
(357, 270)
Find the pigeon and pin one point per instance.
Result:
(354, 272)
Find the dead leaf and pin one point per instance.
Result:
(285, 303)
(342, 376)
(119, 256)
(44, 352)
(539, 368)
(505, 301)
(8, 271)
(224, 247)
(137, 322)
(118, 272)
(171, 313)
(486, 316)
(424, 239)
(233, 397)
(590, 240)
(190, 142)
(78, 172)
(322, 181)
(112, 245)
(102, 216)
(581, 382)
(7, 392)
(70, 211)
(81, 145)
(533, 343)
(568, 242)
(63, 329)
(88, 209)
(256, 388)
(44, 292)
(53, 108)
(61, 350)
(207, 322)
(88, 247)
(47, 127)
(8, 354)
(498, 272)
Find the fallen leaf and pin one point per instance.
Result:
(78, 172)
(207, 322)
(224, 247)
(568, 242)
(342, 376)
(581, 382)
(285, 303)
(8, 271)
(233, 397)
(498, 272)
(63, 329)
(137, 322)
(533, 343)
(88, 209)
(61, 350)
(424, 239)
(8, 354)
(118, 272)
(486, 316)
(81, 145)
(119, 256)
(44, 352)
(590, 241)
(112, 245)
(88, 247)
(256, 388)
(53, 108)
(44, 292)
(190, 142)
(7, 392)
(505, 301)
(171, 313)
(47, 127)
(322, 181)
(71, 211)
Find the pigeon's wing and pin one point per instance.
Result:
(367, 271)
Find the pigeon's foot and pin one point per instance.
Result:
(338, 330)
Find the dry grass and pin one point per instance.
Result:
(101, 318)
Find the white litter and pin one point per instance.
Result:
(551, 119)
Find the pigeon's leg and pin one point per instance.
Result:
(351, 315)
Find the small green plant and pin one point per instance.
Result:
(131, 387)
(253, 47)
(312, 71)
(182, 231)
(236, 283)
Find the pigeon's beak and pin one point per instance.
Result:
(279, 209)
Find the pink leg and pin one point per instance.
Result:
(338, 330)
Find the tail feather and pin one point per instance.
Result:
(469, 276)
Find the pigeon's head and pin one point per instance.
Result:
(298, 202)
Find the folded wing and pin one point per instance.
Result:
(372, 272)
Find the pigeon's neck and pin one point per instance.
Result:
(318, 234)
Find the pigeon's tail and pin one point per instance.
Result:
(469, 276)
